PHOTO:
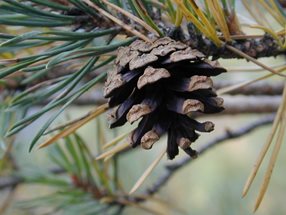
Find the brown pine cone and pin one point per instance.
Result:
(162, 83)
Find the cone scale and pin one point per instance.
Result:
(161, 84)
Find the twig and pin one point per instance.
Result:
(246, 56)
(265, 87)
(251, 104)
(246, 83)
(253, 68)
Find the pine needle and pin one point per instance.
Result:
(254, 15)
(274, 11)
(278, 12)
(112, 151)
(171, 10)
(99, 110)
(261, 14)
(116, 140)
(265, 147)
(208, 25)
(191, 18)
(272, 161)
(117, 21)
(69, 123)
(132, 17)
(280, 121)
(218, 16)
(143, 13)
(179, 18)
(147, 172)
(158, 4)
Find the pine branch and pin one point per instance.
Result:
(265, 46)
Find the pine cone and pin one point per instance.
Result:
(163, 83)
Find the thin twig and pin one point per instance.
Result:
(238, 52)
(264, 87)
(246, 83)
(171, 169)
(252, 69)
